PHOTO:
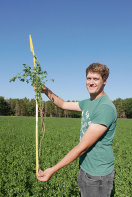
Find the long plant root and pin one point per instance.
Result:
(42, 128)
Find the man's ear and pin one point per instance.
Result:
(105, 81)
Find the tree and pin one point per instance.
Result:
(17, 109)
(12, 103)
(5, 108)
(128, 107)
(120, 107)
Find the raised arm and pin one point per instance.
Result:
(59, 101)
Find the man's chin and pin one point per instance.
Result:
(92, 92)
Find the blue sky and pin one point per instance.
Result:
(67, 35)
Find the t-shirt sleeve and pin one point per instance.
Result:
(104, 115)
(81, 103)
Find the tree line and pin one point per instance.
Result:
(26, 107)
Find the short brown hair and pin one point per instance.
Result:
(102, 69)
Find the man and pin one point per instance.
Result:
(96, 163)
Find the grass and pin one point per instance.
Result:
(17, 157)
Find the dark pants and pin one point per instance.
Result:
(95, 186)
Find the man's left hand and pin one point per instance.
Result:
(45, 175)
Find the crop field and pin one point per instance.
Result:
(17, 157)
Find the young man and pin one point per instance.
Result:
(96, 172)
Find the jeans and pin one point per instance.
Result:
(95, 186)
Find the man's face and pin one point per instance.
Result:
(94, 83)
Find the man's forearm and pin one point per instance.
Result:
(59, 101)
(93, 133)
(55, 99)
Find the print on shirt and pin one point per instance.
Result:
(85, 122)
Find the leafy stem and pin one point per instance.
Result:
(36, 77)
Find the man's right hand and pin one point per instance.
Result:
(44, 88)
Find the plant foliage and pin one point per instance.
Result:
(36, 76)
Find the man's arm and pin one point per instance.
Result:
(59, 101)
(94, 132)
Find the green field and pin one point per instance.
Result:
(17, 157)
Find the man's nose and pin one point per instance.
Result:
(91, 81)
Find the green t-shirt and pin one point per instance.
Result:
(98, 160)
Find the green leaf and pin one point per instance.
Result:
(36, 76)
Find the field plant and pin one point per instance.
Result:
(123, 158)
(37, 78)
(17, 161)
